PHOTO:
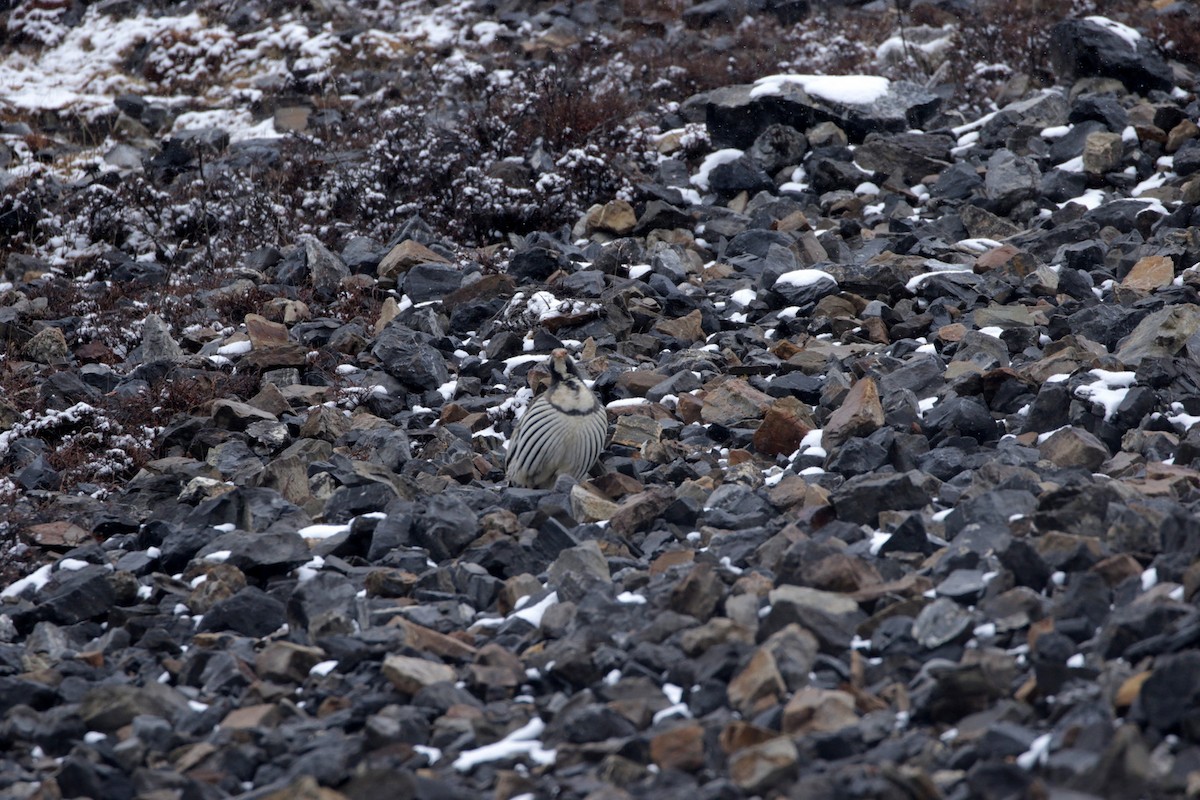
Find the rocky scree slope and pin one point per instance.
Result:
(900, 500)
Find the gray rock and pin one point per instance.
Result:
(157, 344)
(941, 622)
(1081, 48)
(250, 612)
(404, 355)
(76, 595)
(862, 498)
(736, 115)
(325, 268)
(1011, 179)
(777, 147)
(432, 281)
(1162, 334)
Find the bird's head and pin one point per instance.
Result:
(562, 366)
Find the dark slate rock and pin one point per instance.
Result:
(831, 174)
(1081, 48)
(1168, 698)
(259, 553)
(734, 506)
(941, 622)
(909, 536)
(963, 586)
(856, 457)
(997, 507)
(1186, 160)
(250, 612)
(739, 175)
(961, 416)
(1070, 145)
(322, 606)
(348, 502)
(910, 155)
(445, 526)
(362, 255)
(1060, 185)
(863, 497)
(403, 354)
(431, 281)
(1104, 108)
(1010, 180)
(777, 147)
(593, 722)
(806, 293)
(535, 264)
(76, 595)
(957, 182)
(736, 117)
(1125, 215)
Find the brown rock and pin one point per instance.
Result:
(427, 640)
(734, 401)
(305, 788)
(954, 332)
(698, 593)
(1130, 689)
(681, 748)
(758, 686)
(292, 354)
(95, 352)
(983, 224)
(47, 346)
(617, 485)
(390, 583)
(1102, 152)
(697, 641)
(587, 506)
(1005, 258)
(514, 589)
(262, 715)
(738, 735)
(671, 559)
(496, 285)
(689, 408)
(287, 662)
(62, 533)
(1116, 569)
(497, 675)
(785, 424)
(759, 767)
(685, 329)
(411, 675)
(840, 573)
(236, 416)
(1056, 547)
(874, 329)
(264, 333)
(860, 414)
(637, 512)
(270, 399)
(813, 710)
(1181, 133)
(1074, 447)
(635, 430)
(616, 217)
(325, 423)
(405, 256)
(639, 381)
(1150, 273)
